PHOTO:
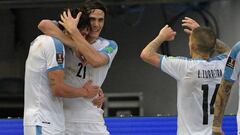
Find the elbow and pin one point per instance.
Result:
(95, 65)
(99, 62)
(144, 56)
(42, 25)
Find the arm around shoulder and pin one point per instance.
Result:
(50, 27)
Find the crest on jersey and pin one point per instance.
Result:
(230, 62)
(108, 49)
(59, 58)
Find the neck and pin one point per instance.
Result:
(200, 55)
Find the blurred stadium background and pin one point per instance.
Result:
(132, 87)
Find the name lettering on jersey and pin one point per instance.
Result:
(209, 74)
(230, 63)
(59, 58)
(46, 122)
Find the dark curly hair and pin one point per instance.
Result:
(84, 19)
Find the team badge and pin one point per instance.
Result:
(108, 49)
(59, 58)
(230, 63)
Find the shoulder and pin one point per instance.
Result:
(47, 39)
(179, 58)
(236, 49)
(49, 42)
(219, 57)
(106, 45)
(107, 41)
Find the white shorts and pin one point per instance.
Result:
(75, 128)
(39, 130)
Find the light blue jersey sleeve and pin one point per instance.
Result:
(110, 50)
(55, 55)
(232, 67)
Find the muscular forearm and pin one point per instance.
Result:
(70, 92)
(93, 57)
(153, 46)
(150, 54)
(61, 89)
(221, 102)
(221, 47)
(51, 29)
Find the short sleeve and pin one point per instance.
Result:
(110, 50)
(55, 54)
(174, 66)
(232, 67)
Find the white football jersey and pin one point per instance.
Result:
(197, 84)
(77, 73)
(41, 107)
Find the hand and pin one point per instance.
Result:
(99, 100)
(190, 24)
(68, 22)
(167, 33)
(90, 90)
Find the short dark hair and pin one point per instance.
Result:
(205, 39)
(95, 4)
(84, 20)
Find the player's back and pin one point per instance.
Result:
(40, 106)
(196, 95)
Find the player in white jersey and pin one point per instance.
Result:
(197, 77)
(82, 117)
(231, 74)
(45, 87)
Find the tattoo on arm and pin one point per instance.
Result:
(221, 102)
(153, 46)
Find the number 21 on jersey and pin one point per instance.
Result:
(82, 70)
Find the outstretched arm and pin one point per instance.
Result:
(149, 53)
(220, 105)
(93, 57)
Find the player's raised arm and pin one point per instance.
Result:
(189, 24)
(50, 28)
(93, 57)
(149, 53)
